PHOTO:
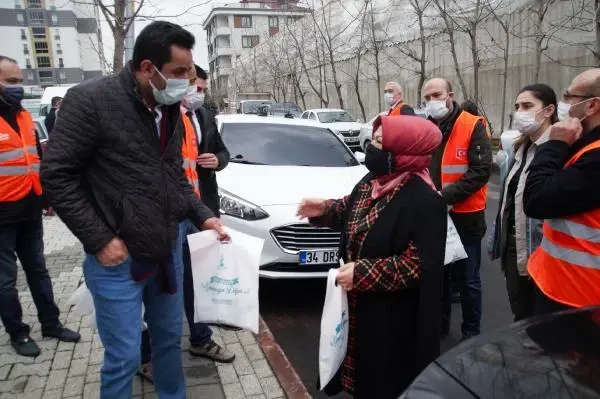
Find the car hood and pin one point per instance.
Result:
(541, 357)
(284, 185)
(343, 126)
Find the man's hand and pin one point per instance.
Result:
(569, 130)
(113, 254)
(216, 225)
(345, 277)
(208, 161)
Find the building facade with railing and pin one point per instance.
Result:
(54, 41)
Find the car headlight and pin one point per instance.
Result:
(232, 205)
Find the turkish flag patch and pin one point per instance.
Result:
(461, 153)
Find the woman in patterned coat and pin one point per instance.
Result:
(393, 228)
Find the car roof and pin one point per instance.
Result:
(244, 118)
(325, 110)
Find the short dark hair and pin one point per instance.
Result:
(155, 40)
(471, 107)
(5, 58)
(55, 100)
(546, 95)
(201, 73)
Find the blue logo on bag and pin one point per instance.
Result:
(221, 264)
(338, 336)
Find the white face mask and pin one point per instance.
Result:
(174, 91)
(193, 99)
(563, 110)
(525, 122)
(389, 98)
(437, 109)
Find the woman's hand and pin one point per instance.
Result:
(312, 208)
(345, 277)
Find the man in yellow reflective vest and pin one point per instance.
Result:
(21, 230)
(563, 187)
(460, 168)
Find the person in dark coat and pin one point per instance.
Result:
(393, 228)
(50, 119)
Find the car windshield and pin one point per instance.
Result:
(252, 107)
(336, 116)
(278, 144)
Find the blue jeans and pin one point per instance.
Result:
(118, 302)
(464, 273)
(26, 240)
(200, 333)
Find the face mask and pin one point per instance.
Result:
(193, 100)
(12, 94)
(525, 122)
(389, 98)
(573, 110)
(174, 91)
(563, 110)
(379, 162)
(437, 109)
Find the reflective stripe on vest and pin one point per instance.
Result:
(19, 159)
(189, 151)
(566, 266)
(455, 161)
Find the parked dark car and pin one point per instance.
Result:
(556, 356)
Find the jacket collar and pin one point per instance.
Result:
(447, 124)
(586, 138)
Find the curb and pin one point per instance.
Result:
(282, 368)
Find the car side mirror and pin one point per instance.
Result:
(360, 156)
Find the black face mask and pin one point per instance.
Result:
(12, 95)
(379, 162)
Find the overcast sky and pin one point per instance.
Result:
(188, 13)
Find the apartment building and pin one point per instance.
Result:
(233, 30)
(54, 41)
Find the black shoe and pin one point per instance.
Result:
(62, 334)
(25, 346)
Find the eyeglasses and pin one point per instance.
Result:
(569, 96)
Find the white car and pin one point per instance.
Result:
(366, 132)
(275, 162)
(338, 120)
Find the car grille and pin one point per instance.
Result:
(350, 133)
(295, 237)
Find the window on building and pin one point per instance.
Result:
(46, 76)
(52, 5)
(27, 63)
(36, 17)
(56, 34)
(54, 19)
(63, 77)
(17, 4)
(23, 34)
(20, 19)
(39, 33)
(246, 21)
(44, 62)
(25, 48)
(249, 41)
(290, 20)
(41, 47)
(58, 48)
(273, 22)
(61, 63)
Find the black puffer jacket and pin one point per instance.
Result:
(105, 176)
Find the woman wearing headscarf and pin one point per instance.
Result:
(393, 228)
(517, 236)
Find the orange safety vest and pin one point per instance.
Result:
(395, 111)
(189, 151)
(455, 161)
(19, 160)
(566, 266)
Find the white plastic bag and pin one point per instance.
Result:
(226, 278)
(83, 305)
(455, 250)
(334, 330)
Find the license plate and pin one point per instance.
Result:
(318, 257)
(352, 140)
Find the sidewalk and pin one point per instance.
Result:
(73, 370)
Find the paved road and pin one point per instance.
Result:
(292, 310)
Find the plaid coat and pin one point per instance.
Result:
(397, 244)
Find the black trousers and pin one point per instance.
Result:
(545, 305)
(521, 289)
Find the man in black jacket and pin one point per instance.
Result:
(50, 119)
(466, 195)
(113, 172)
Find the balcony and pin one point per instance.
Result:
(223, 51)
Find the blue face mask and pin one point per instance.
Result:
(12, 94)
(174, 91)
